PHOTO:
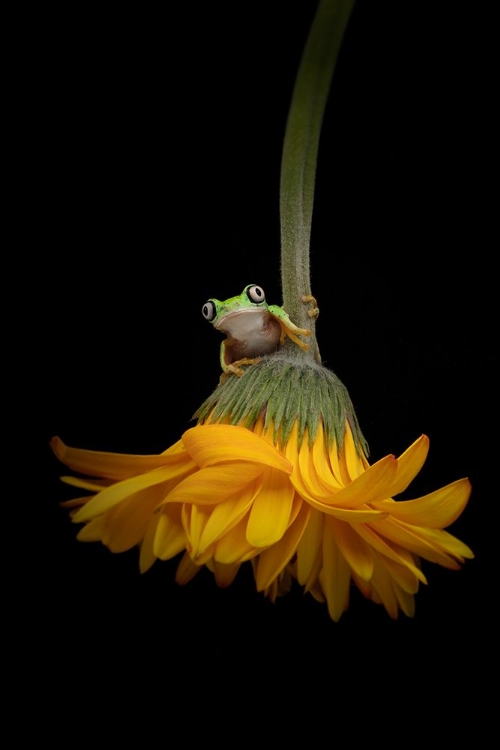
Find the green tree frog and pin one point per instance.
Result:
(253, 328)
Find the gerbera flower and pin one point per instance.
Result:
(294, 493)
(276, 471)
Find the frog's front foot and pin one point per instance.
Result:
(235, 367)
(293, 333)
(309, 299)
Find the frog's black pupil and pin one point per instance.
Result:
(256, 294)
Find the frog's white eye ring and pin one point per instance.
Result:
(208, 310)
(256, 293)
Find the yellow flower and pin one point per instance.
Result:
(300, 508)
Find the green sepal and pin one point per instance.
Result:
(283, 390)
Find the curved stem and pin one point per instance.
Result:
(300, 151)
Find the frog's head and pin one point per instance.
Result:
(251, 299)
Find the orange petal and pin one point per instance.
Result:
(234, 546)
(315, 467)
(309, 548)
(353, 461)
(147, 556)
(417, 541)
(125, 524)
(215, 484)
(409, 464)
(274, 559)
(116, 493)
(436, 510)
(375, 539)
(368, 487)
(93, 531)
(186, 570)
(335, 574)
(362, 515)
(169, 536)
(93, 485)
(271, 508)
(356, 551)
(75, 502)
(115, 466)
(194, 519)
(224, 574)
(383, 585)
(219, 443)
(224, 516)
(402, 576)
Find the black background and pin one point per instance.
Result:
(155, 173)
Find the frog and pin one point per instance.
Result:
(252, 327)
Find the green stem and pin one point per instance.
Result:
(300, 151)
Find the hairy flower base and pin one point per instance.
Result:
(225, 494)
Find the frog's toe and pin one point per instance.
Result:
(309, 299)
(235, 367)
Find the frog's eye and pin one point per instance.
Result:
(256, 294)
(208, 310)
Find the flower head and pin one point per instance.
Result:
(288, 487)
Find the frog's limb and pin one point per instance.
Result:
(288, 328)
(235, 368)
(285, 331)
(314, 311)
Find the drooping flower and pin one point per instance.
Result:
(276, 471)
(292, 492)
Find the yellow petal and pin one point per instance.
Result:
(194, 518)
(116, 493)
(416, 540)
(374, 539)
(115, 466)
(338, 466)
(368, 487)
(409, 464)
(147, 556)
(234, 546)
(219, 443)
(215, 484)
(446, 541)
(93, 485)
(353, 461)
(315, 468)
(436, 510)
(402, 576)
(356, 551)
(309, 548)
(226, 515)
(382, 583)
(92, 532)
(270, 512)
(169, 536)
(186, 570)
(335, 574)
(351, 516)
(75, 502)
(406, 601)
(224, 574)
(126, 523)
(274, 559)
(310, 476)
